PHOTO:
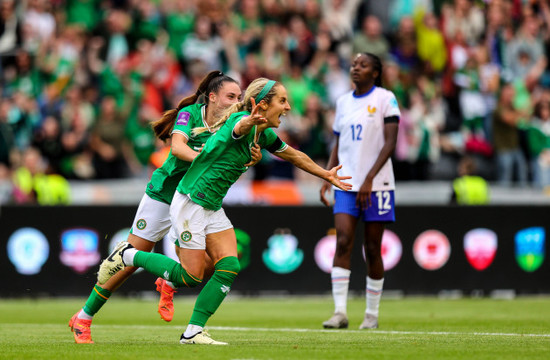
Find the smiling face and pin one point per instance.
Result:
(362, 71)
(277, 107)
(229, 94)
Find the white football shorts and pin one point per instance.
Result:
(152, 219)
(191, 222)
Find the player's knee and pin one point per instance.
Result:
(372, 250)
(185, 279)
(344, 242)
(228, 267)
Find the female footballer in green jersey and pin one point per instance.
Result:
(152, 220)
(199, 224)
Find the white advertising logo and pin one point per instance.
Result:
(431, 250)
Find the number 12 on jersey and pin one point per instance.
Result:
(356, 132)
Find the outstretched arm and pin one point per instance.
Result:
(244, 125)
(304, 162)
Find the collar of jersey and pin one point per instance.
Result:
(203, 115)
(365, 94)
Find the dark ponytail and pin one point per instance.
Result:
(377, 64)
(163, 127)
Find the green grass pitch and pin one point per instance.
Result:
(284, 328)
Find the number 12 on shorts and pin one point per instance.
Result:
(384, 200)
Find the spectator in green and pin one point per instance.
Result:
(146, 21)
(85, 13)
(298, 86)
(141, 137)
(506, 122)
(538, 138)
(27, 77)
(249, 25)
(179, 21)
(392, 81)
(109, 148)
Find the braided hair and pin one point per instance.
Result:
(377, 64)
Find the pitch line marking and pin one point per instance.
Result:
(237, 328)
(389, 332)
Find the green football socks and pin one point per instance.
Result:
(166, 268)
(97, 298)
(215, 290)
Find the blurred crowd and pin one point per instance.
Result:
(81, 80)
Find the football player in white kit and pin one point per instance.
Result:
(366, 125)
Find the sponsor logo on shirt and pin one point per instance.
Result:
(183, 118)
(201, 195)
(393, 103)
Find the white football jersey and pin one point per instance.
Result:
(359, 123)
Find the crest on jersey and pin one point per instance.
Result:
(371, 110)
(141, 224)
(186, 236)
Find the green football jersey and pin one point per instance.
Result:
(221, 163)
(165, 179)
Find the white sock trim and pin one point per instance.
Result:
(128, 256)
(83, 315)
(192, 330)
